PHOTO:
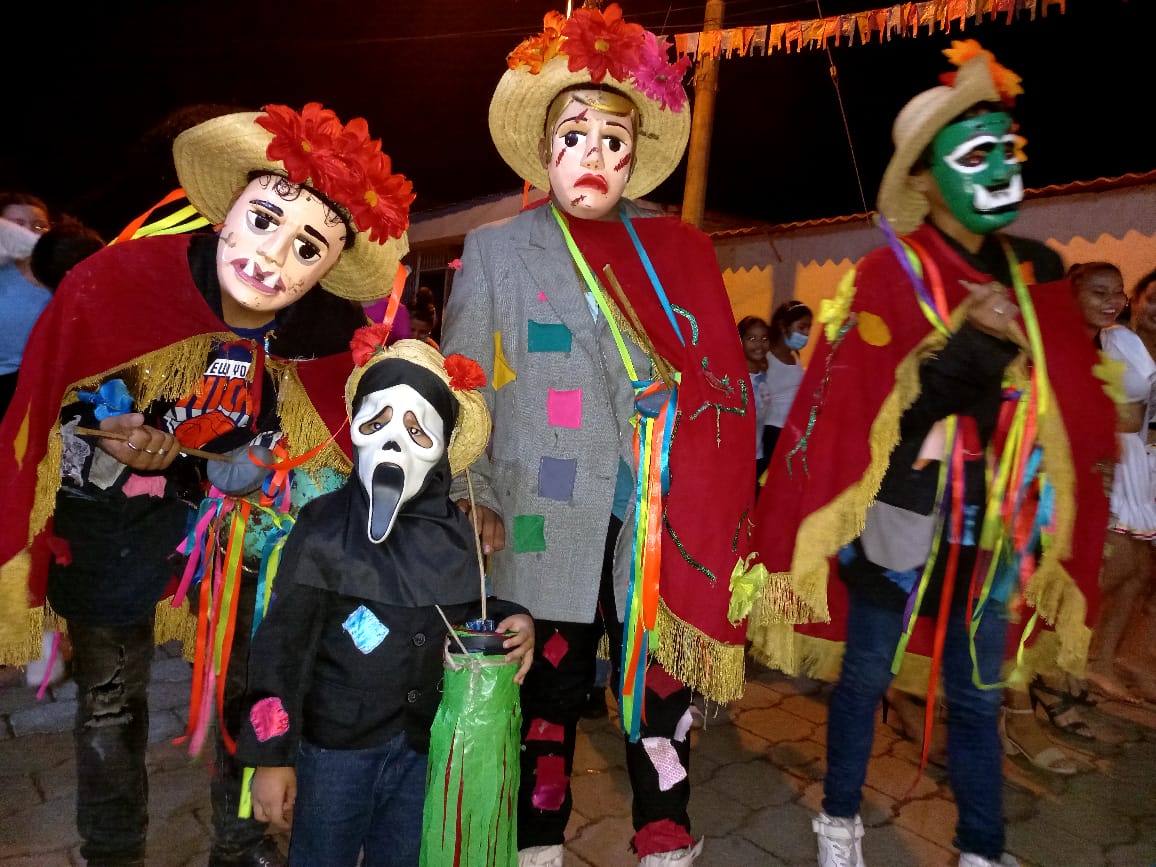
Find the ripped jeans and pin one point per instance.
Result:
(111, 668)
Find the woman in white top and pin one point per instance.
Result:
(789, 331)
(1128, 551)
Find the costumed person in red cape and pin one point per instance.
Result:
(180, 350)
(945, 458)
(346, 666)
(615, 497)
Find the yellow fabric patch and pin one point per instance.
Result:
(873, 329)
(1111, 373)
(503, 373)
(833, 311)
(20, 444)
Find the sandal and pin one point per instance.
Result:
(1064, 703)
(1051, 759)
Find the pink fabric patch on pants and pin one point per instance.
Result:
(541, 730)
(269, 719)
(555, 649)
(550, 783)
(149, 486)
(665, 760)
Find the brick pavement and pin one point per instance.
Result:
(757, 771)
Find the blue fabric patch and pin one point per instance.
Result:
(365, 629)
(547, 337)
(623, 488)
(556, 478)
(904, 580)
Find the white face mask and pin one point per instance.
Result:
(590, 160)
(399, 437)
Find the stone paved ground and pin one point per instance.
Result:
(757, 770)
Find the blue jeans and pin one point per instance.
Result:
(349, 799)
(974, 756)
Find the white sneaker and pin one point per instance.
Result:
(839, 841)
(37, 671)
(676, 858)
(541, 856)
(970, 859)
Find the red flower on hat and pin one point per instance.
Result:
(368, 341)
(657, 77)
(602, 42)
(537, 50)
(341, 162)
(465, 373)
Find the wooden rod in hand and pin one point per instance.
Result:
(477, 540)
(117, 435)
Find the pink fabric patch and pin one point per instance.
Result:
(684, 724)
(555, 649)
(541, 295)
(564, 407)
(269, 719)
(661, 836)
(542, 730)
(550, 783)
(660, 681)
(152, 486)
(665, 761)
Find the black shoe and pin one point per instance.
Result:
(595, 707)
(265, 854)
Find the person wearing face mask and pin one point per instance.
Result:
(614, 499)
(345, 670)
(790, 330)
(185, 390)
(947, 379)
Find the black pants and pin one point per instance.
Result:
(552, 700)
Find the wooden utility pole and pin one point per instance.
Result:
(702, 124)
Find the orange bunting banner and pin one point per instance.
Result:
(903, 20)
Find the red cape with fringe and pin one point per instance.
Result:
(126, 301)
(814, 500)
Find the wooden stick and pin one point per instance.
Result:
(661, 366)
(117, 435)
(477, 540)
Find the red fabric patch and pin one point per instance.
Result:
(550, 783)
(555, 649)
(541, 730)
(660, 681)
(61, 550)
(661, 836)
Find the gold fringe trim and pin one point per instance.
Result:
(708, 666)
(301, 423)
(20, 626)
(177, 624)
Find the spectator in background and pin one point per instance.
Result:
(22, 297)
(66, 244)
(790, 329)
(755, 336)
(423, 317)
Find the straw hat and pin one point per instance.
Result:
(523, 95)
(215, 159)
(979, 79)
(461, 375)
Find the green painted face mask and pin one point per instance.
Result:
(974, 163)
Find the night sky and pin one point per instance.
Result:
(92, 91)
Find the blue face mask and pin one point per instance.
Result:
(796, 340)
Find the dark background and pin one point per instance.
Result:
(92, 89)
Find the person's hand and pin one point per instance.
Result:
(520, 645)
(274, 791)
(488, 525)
(992, 310)
(146, 447)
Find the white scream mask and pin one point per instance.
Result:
(399, 437)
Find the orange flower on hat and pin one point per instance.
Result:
(537, 50)
(465, 373)
(602, 42)
(1007, 83)
(343, 163)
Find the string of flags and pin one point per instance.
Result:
(902, 20)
